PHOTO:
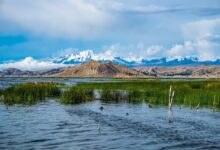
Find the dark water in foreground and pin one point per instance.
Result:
(51, 125)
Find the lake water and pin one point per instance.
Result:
(6, 82)
(50, 125)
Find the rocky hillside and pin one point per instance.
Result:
(97, 69)
(12, 72)
(181, 71)
(109, 69)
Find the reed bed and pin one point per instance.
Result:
(135, 96)
(190, 93)
(77, 95)
(29, 93)
(111, 95)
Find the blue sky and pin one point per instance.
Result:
(147, 28)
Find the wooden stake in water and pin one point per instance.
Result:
(170, 112)
(171, 95)
(197, 107)
(99, 127)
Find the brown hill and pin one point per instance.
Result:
(109, 69)
(97, 69)
(182, 71)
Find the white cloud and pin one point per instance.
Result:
(202, 49)
(185, 50)
(64, 52)
(31, 64)
(200, 29)
(71, 18)
(154, 51)
(202, 41)
(107, 55)
(129, 7)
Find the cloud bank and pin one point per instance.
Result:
(132, 29)
(69, 18)
(31, 64)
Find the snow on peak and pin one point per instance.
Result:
(81, 56)
(189, 58)
(85, 56)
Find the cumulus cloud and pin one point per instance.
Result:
(200, 29)
(202, 41)
(154, 51)
(71, 18)
(107, 55)
(202, 49)
(31, 64)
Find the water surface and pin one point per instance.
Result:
(51, 125)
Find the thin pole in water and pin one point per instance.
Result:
(197, 107)
(171, 95)
(99, 128)
(170, 112)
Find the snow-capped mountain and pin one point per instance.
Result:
(78, 58)
(88, 55)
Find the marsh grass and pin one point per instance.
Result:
(29, 93)
(135, 96)
(189, 93)
(111, 95)
(77, 95)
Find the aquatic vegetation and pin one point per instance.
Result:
(77, 95)
(29, 93)
(1, 95)
(189, 93)
(135, 96)
(111, 95)
(1, 91)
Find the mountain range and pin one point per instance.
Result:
(89, 69)
(112, 70)
(88, 64)
(88, 55)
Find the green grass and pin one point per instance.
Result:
(77, 95)
(29, 93)
(111, 95)
(135, 96)
(189, 93)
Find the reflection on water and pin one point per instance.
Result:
(51, 125)
(170, 116)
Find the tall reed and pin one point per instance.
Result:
(29, 93)
(77, 95)
(111, 95)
